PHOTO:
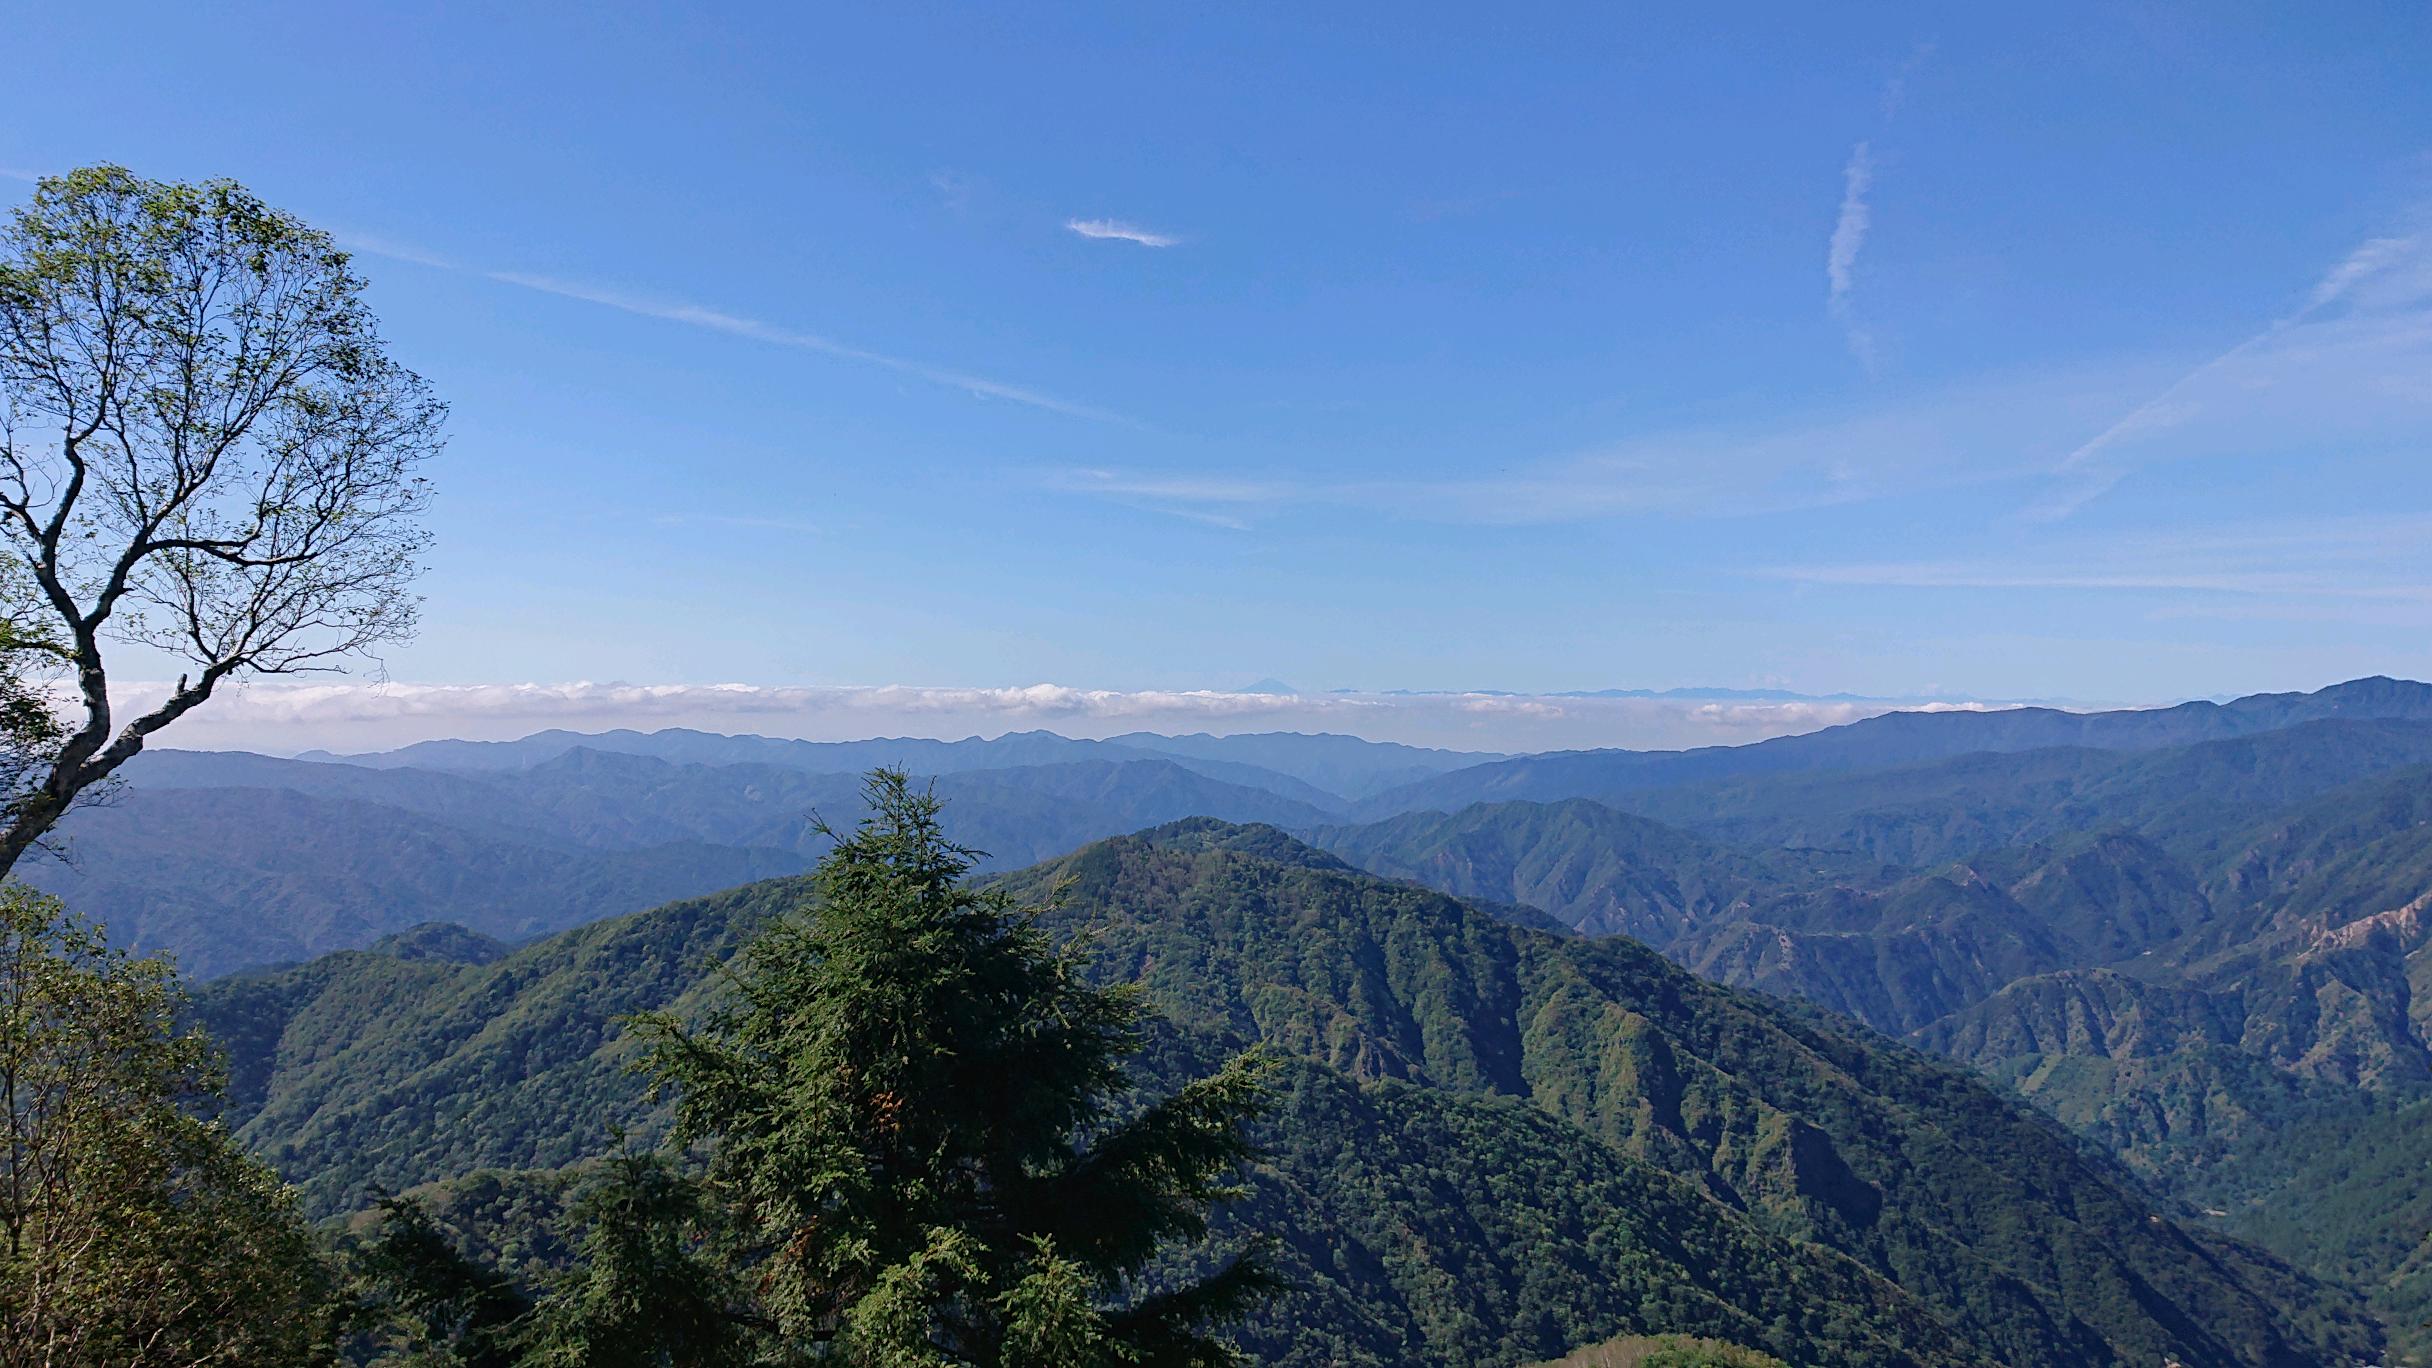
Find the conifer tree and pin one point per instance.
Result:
(421, 1302)
(918, 1120)
(646, 1291)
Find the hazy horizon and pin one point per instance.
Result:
(350, 717)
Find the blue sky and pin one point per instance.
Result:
(2059, 351)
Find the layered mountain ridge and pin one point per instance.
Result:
(1496, 1143)
(2195, 937)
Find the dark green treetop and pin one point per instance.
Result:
(647, 1289)
(919, 1122)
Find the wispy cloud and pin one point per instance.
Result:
(953, 189)
(2347, 374)
(2348, 365)
(792, 526)
(2008, 429)
(2377, 258)
(1116, 230)
(1180, 488)
(1217, 501)
(1856, 217)
(1998, 575)
(736, 325)
(1848, 239)
(1895, 89)
(2382, 559)
(373, 244)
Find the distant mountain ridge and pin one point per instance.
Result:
(1384, 778)
(232, 861)
(1896, 739)
(1322, 769)
(1030, 795)
(233, 878)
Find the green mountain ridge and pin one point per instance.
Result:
(1596, 868)
(2186, 955)
(1443, 1037)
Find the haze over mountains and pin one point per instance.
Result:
(1335, 767)
(479, 832)
(2194, 936)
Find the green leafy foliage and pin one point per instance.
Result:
(30, 661)
(132, 1233)
(205, 450)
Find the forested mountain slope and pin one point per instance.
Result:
(1892, 947)
(1598, 869)
(2209, 959)
(2291, 941)
(1501, 1143)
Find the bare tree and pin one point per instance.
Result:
(204, 450)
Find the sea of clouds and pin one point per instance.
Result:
(347, 715)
